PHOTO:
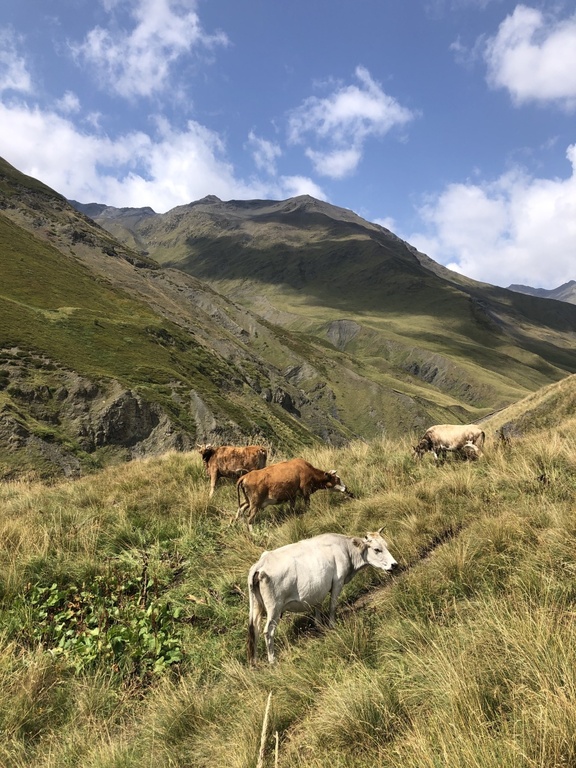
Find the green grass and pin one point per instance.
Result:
(465, 658)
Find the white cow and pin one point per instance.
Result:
(298, 577)
(467, 439)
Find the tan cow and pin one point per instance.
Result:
(299, 576)
(231, 461)
(283, 482)
(467, 439)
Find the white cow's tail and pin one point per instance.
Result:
(256, 608)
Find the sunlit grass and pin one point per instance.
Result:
(466, 657)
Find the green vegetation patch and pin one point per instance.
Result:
(115, 618)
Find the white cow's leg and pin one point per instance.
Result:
(269, 632)
(334, 595)
(254, 627)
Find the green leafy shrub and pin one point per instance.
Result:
(116, 619)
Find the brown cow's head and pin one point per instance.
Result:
(206, 451)
(333, 482)
(419, 450)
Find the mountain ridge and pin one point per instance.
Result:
(565, 292)
(297, 324)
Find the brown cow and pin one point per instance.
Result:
(466, 439)
(231, 461)
(282, 482)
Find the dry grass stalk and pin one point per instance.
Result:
(260, 763)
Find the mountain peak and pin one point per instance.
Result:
(208, 199)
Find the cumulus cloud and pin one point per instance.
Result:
(337, 163)
(138, 62)
(339, 124)
(162, 169)
(14, 75)
(516, 229)
(533, 56)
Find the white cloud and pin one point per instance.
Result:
(264, 153)
(387, 222)
(164, 169)
(534, 58)
(336, 164)
(138, 63)
(340, 124)
(517, 229)
(69, 103)
(14, 75)
(292, 186)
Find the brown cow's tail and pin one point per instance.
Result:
(255, 615)
(481, 440)
(240, 487)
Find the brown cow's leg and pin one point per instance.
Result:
(251, 515)
(213, 481)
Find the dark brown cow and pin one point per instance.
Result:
(467, 439)
(231, 461)
(283, 482)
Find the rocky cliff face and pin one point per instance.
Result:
(57, 421)
(54, 421)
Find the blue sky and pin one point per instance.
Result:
(451, 122)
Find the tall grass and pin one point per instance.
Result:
(465, 658)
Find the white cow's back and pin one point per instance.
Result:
(300, 575)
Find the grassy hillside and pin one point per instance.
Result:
(310, 267)
(123, 610)
(55, 317)
(553, 406)
(91, 332)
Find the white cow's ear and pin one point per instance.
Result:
(360, 543)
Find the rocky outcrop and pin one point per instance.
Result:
(63, 419)
(341, 332)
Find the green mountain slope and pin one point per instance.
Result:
(105, 356)
(552, 407)
(323, 271)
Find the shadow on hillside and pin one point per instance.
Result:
(377, 277)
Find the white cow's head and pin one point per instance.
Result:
(376, 552)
